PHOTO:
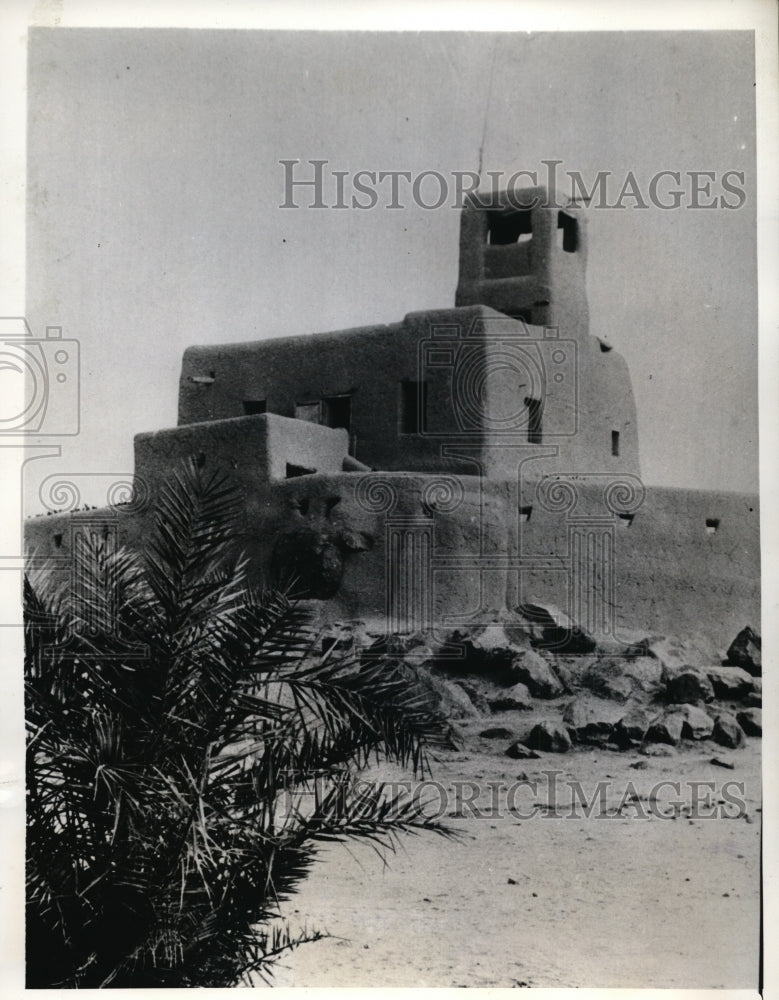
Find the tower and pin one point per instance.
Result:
(523, 252)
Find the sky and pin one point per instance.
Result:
(155, 186)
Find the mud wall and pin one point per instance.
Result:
(459, 549)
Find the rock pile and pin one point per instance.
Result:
(645, 692)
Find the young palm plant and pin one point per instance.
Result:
(189, 746)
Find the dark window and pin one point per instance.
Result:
(251, 406)
(534, 412)
(615, 443)
(503, 228)
(413, 407)
(712, 524)
(625, 520)
(293, 471)
(524, 513)
(200, 459)
(568, 231)
(58, 540)
(337, 411)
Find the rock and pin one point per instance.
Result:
(462, 654)
(755, 697)
(484, 650)
(518, 751)
(676, 654)
(730, 683)
(414, 648)
(618, 679)
(586, 723)
(569, 669)
(657, 750)
(727, 732)
(746, 651)
(434, 692)
(418, 655)
(476, 696)
(629, 644)
(631, 729)
(557, 631)
(515, 698)
(337, 639)
(576, 714)
(689, 686)
(551, 737)
(646, 671)
(667, 729)
(450, 700)
(751, 721)
(606, 679)
(530, 668)
(496, 733)
(697, 724)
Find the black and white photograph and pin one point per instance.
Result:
(388, 417)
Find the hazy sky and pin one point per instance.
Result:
(155, 186)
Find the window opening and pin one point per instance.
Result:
(534, 413)
(503, 229)
(413, 407)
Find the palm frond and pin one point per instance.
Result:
(188, 749)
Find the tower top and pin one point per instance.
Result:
(523, 252)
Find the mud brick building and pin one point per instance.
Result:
(447, 468)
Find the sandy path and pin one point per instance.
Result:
(614, 901)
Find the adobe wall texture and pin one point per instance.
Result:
(672, 574)
(252, 450)
(480, 367)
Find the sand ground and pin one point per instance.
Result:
(624, 898)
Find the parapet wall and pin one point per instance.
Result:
(252, 450)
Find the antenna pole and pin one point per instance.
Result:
(487, 108)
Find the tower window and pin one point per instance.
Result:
(293, 471)
(413, 406)
(337, 411)
(567, 232)
(502, 228)
(712, 525)
(534, 412)
(252, 406)
(615, 443)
